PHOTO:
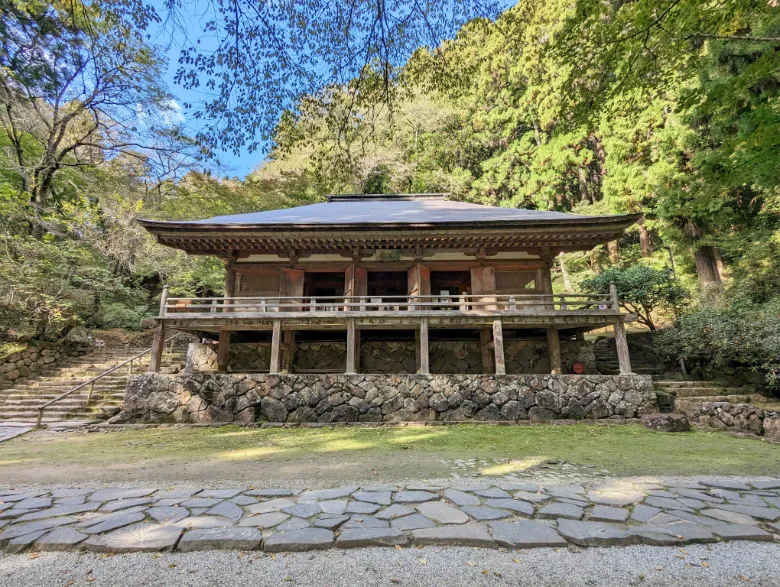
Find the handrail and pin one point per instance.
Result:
(91, 382)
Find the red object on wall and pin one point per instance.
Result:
(578, 368)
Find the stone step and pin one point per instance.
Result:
(68, 401)
(691, 383)
(705, 391)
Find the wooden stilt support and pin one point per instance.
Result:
(350, 346)
(357, 350)
(157, 347)
(276, 337)
(621, 345)
(498, 347)
(223, 351)
(289, 351)
(484, 341)
(425, 366)
(554, 351)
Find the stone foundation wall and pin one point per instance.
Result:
(246, 398)
(747, 418)
(521, 356)
(33, 360)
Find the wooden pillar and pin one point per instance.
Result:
(275, 344)
(621, 345)
(357, 350)
(580, 335)
(230, 281)
(498, 347)
(484, 341)
(289, 351)
(554, 350)
(351, 346)
(544, 276)
(425, 366)
(223, 350)
(157, 347)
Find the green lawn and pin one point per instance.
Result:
(357, 453)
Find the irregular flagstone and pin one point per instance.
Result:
(220, 539)
(15, 497)
(413, 522)
(77, 500)
(763, 513)
(481, 512)
(394, 511)
(65, 510)
(561, 510)
(201, 502)
(264, 520)
(695, 518)
(333, 506)
(378, 497)
(773, 501)
(300, 540)
(13, 513)
(525, 534)
(594, 533)
(365, 522)
(728, 516)
(33, 503)
(741, 532)
(666, 504)
(460, 497)
(695, 504)
(227, 510)
(61, 539)
(771, 484)
(423, 487)
(362, 537)
(243, 500)
(75, 492)
(414, 496)
(198, 511)
(614, 499)
(292, 524)
(36, 526)
(602, 513)
(123, 504)
(685, 531)
(701, 496)
(303, 510)
(373, 488)
(514, 505)
(168, 502)
(271, 493)
(361, 507)
(168, 514)
(493, 492)
(442, 512)
(112, 522)
(175, 493)
(200, 522)
(642, 513)
(118, 493)
(331, 523)
(748, 499)
(776, 526)
(20, 543)
(726, 484)
(465, 535)
(273, 505)
(532, 497)
(219, 493)
(144, 537)
(322, 494)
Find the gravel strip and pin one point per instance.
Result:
(737, 563)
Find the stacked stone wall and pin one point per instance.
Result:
(744, 418)
(246, 398)
(31, 361)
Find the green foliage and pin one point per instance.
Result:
(641, 290)
(741, 334)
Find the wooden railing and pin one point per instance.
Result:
(528, 303)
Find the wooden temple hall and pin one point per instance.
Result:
(414, 273)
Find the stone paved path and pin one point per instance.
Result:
(9, 432)
(506, 514)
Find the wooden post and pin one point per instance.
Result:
(357, 350)
(621, 345)
(275, 343)
(580, 334)
(230, 285)
(351, 347)
(223, 350)
(157, 347)
(498, 347)
(425, 366)
(484, 341)
(613, 295)
(289, 351)
(163, 301)
(554, 350)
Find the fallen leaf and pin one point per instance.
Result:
(396, 581)
(35, 554)
(682, 550)
(659, 568)
(172, 566)
(515, 560)
(423, 561)
(485, 571)
(471, 563)
(398, 547)
(743, 578)
(705, 564)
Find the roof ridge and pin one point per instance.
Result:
(361, 197)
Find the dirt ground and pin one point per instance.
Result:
(235, 456)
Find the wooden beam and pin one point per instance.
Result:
(484, 341)
(554, 351)
(621, 346)
(157, 347)
(498, 347)
(289, 351)
(223, 350)
(425, 366)
(351, 347)
(275, 344)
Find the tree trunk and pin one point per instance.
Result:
(644, 238)
(614, 251)
(706, 265)
(582, 176)
(595, 264)
(565, 274)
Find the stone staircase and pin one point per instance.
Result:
(706, 391)
(20, 402)
(607, 363)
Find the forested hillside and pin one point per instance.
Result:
(666, 108)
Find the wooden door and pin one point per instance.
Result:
(292, 284)
(483, 281)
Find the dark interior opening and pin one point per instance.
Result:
(323, 284)
(450, 283)
(387, 283)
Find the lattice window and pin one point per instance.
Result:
(508, 282)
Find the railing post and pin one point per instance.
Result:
(313, 304)
(563, 304)
(412, 299)
(613, 294)
(91, 389)
(130, 368)
(40, 417)
(512, 304)
(163, 301)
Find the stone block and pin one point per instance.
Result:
(666, 422)
(221, 539)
